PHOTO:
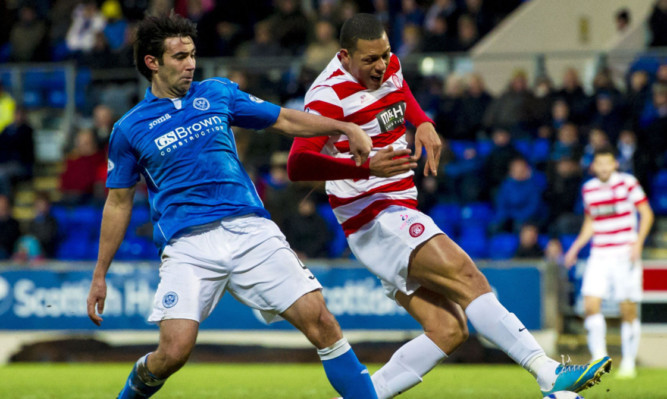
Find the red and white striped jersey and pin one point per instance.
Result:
(381, 113)
(612, 206)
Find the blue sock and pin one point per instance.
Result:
(348, 377)
(141, 383)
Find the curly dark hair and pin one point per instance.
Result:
(151, 34)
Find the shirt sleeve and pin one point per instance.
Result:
(636, 193)
(122, 167)
(251, 112)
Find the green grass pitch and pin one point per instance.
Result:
(296, 381)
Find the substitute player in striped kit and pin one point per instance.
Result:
(611, 203)
(419, 266)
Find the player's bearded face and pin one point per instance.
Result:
(604, 166)
(177, 66)
(368, 62)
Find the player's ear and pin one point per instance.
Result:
(345, 57)
(151, 62)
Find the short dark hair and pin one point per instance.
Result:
(360, 26)
(623, 14)
(605, 150)
(151, 34)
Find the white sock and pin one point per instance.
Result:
(407, 366)
(495, 323)
(630, 333)
(597, 332)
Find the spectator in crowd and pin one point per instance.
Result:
(80, 177)
(444, 8)
(519, 198)
(9, 228)
(87, 22)
(103, 120)
(115, 30)
(529, 248)
(544, 98)
(498, 160)
(307, 231)
(603, 83)
(573, 93)
(461, 177)
(275, 186)
(475, 102)
(560, 113)
(468, 35)
(263, 44)
(654, 138)
(451, 117)
(483, 19)
(597, 139)
(607, 116)
(561, 196)
(28, 37)
(514, 109)
(658, 24)
(290, 26)
(410, 13)
(439, 39)
(17, 151)
(7, 108)
(44, 226)
(567, 143)
(638, 95)
(627, 151)
(622, 20)
(554, 251)
(319, 52)
(411, 40)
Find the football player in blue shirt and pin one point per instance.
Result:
(212, 229)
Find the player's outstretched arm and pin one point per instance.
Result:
(301, 124)
(646, 218)
(115, 219)
(426, 137)
(584, 236)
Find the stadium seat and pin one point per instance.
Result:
(659, 181)
(459, 147)
(477, 213)
(525, 147)
(475, 245)
(5, 52)
(540, 151)
(659, 202)
(447, 217)
(566, 241)
(503, 246)
(484, 147)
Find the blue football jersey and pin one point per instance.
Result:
(185, 149)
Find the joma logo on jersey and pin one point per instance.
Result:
(184, 134)
(391, 117)
(159, 120)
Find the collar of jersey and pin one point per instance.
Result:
(150, 97)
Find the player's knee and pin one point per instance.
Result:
(448, 338)
(173, 358)
(324, 330)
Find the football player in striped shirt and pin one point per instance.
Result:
(376, 204)
(612, 201)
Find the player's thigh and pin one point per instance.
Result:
(442, 266)
(629, 311)
(597, 277)
(443, 321)
(592, 305)
(310, 315)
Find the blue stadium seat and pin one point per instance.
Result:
(540, 151)
(503, 246)
(33, 98)
(484, 147)
(459, 147)
(76, 248)
(475, 245)
(5, 52)
(659, 202)
(59, 51)
(6, 79)
(525, 147)
(543, 240)
(477, 213)
(659, 181)
(447, 217)
(136, 248)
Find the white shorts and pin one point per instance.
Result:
(247, 255)
(613, 277)
(385, 244)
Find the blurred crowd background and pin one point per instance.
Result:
(510, 173)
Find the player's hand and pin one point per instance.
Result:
(96, 298)
(636, 251)
(360, 144)
(427, 137)
(570, 258)
(387, 162)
